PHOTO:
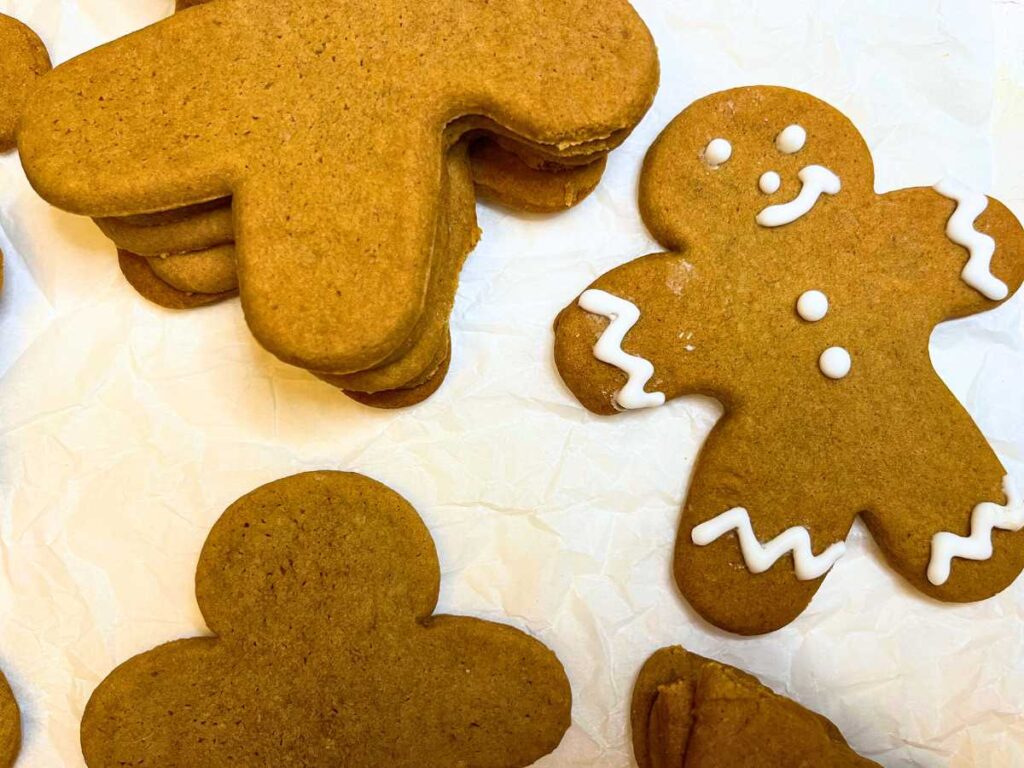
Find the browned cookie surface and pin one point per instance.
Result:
(387, 399)
(826, 417)
(211, 270)
(691, 712)
(23, 58)
(320, 590)
(455, 236)
(503, 177)
(140, 276)
(183, 232)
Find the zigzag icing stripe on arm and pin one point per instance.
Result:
(760, 558)
(978, 546)
(977, 273)
(623, 316)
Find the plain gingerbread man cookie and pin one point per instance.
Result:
(327, 122)
(320, 591)
(804, 302)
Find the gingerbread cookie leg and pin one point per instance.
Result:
(456, 234)
(405, 397)
(210, 270)
(206, 228)
(141, 277)
(756, 541)
(501, 176)
(944, 511)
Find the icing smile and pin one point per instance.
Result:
(817, 180)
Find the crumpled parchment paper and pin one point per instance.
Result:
(125, 430)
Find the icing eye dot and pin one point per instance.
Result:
(717, 152)
(770, 182)
(812, 306)
(835, 362)
(791, 140)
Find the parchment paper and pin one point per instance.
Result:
(125, 430)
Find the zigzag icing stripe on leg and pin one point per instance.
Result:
(623, 316)
(978, 546)
(760, 558)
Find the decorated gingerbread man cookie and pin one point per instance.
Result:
(804, 301)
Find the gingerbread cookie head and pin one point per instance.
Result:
(739, 161)
(320, 591)
(806, 308)
(24, 59)
(328, 121)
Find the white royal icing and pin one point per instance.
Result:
(791, 140)
(623, 316)
(817, 180)
(718, 151)
(978, 546)
(960, 229)
(769, 182)
(835, 362)
(760, 558)
(812, 306)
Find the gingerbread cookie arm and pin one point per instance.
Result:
(943, 509)
(485, 693)
(340, 297)
(964, 251)
(153, 140)
(642, 334)
(757, 537)
(993, 240)
(24, 58)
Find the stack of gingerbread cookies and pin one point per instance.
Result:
(322, 161)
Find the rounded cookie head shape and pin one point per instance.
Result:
(259, 534)
(784, 144)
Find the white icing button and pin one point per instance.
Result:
(835, 362)
(791, 140)
(717, 152)
(812, 306)
(770, 182)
